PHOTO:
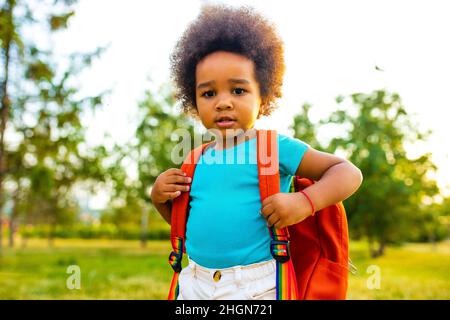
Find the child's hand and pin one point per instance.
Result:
(169, 185)
(285, 209)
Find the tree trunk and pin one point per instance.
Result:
(371, 248)
(144, 227)
(432, 240)
(13, 218)
(373, 251)
(381, 248)
(11, 231)
(1, 232)
(24, 238)
(5, 106)
(51, 233)
(376, 252)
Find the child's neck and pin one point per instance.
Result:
(226, 143)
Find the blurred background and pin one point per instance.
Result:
(88, 122)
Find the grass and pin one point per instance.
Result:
(115, 269)
(109, 270)
(411, 271)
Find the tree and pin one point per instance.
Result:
(304, 129)
(157, 135)
(392, 195)
(45, 154)
(158, 132)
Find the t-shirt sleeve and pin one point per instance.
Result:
(291, 152)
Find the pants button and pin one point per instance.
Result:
(217, 275)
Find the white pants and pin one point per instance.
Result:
(251, 282)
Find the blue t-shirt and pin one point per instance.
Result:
(224, 227)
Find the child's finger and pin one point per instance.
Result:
(273, 219)
(173, 195)
(178, 179)
(175, 187)
(176, 171)
(278, 225)
(267, 200)
(266, 211)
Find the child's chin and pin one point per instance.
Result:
(227, 133)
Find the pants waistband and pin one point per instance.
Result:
(246, 273)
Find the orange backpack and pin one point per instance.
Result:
(311, 256)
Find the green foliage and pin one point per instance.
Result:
(304, 129)
(395, 186)
(100, 231)
(391, 201)
(151, 150)
(126, 212)
(58, 22)
(39, 71)
(41, 104)
(156, 136)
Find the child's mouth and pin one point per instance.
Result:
(225, 123)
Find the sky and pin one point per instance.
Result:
(331, 49)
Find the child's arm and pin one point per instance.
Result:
(168, 186)
(336, 180)
(165, 210)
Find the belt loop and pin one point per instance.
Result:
(194, 268)
(238, 277)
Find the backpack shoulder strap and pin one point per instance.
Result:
(180, 207)
(269, 184)
(268, 173)
(181, 203)
(268, 166)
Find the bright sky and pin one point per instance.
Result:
(331, 48)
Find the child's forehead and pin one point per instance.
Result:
(226, 64)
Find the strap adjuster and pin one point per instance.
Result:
(175, 261)
(280, 250)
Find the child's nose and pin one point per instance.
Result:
(224, 104)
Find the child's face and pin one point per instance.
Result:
(226, 86)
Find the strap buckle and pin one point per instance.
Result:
(280, 250)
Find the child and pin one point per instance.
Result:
(228, 67)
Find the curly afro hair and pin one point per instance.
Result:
(238, 30)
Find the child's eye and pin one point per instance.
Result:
(208, 94)
(238, 91)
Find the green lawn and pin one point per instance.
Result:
(123, 270)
